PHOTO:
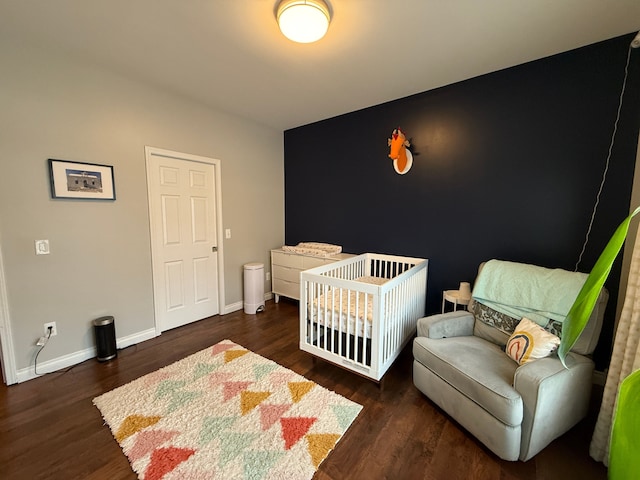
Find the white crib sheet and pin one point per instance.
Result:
(344, 302)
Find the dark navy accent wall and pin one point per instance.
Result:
(506, 165)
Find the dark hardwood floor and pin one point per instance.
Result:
(49, 429)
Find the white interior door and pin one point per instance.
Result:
(9, 374)
(183, 209)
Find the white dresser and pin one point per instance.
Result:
(286, 268)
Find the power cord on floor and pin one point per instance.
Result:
(44, 344)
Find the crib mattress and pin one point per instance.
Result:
(345, 310)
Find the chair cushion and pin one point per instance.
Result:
(479, 369)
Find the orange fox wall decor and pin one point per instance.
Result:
(401, 156)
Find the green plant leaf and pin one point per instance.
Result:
(624, 461)
(581, 309)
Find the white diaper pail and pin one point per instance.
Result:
(253, 288)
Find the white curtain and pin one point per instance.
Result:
(625, 358)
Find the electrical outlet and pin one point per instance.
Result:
(267, 276)
(42, 247)
(54, 329)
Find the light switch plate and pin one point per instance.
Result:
(42, 247)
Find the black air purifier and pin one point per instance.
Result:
(105, 330)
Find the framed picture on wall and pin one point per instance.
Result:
(81, 180)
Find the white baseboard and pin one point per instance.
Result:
(55, 364)
(129, 340)
(234, 307)
(71, 359)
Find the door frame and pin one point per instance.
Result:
(9, 374)
(149, 153)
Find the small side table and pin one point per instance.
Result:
(453, 296)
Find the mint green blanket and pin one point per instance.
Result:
(522, 290)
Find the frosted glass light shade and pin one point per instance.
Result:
(303, 21)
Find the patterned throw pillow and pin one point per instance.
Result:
(530, 342)
(493, 318)
(504, 322)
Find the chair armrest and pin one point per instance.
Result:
(443, 325)
(554, 399)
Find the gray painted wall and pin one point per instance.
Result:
(56, 107)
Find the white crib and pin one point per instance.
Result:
(359, 313)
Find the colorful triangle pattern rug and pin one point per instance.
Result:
(225, 413)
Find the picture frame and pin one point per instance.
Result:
(79, 180)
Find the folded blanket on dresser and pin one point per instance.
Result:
(522, 290)
(315, 249)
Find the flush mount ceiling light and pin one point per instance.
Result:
(303, 21)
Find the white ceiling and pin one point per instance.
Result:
(230, 55)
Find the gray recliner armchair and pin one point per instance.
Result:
(515, 410)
